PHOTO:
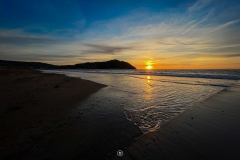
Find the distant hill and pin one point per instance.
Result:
(19, 64)
(112, 64)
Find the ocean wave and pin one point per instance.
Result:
(188, 83)
(209, 74)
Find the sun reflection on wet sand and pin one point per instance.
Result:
(148, 79)
(148, 90)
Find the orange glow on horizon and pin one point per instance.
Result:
(183, 63)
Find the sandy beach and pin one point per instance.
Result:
(36, 119)
(209, 130)
(52, 116)
(35, 112)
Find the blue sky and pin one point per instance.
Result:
(165, 34)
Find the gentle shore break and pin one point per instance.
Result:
(209, 130)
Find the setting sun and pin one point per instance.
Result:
(149, 67)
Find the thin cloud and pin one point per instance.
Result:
(26, 40)
(223, 26)
(197, 23)
(199, 5)
(96, 48)
(18, 37)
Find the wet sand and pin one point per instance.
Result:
(49, 116)
(209, 130)
(42, 117)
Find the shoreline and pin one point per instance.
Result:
(53, 116)
(208, 130)
(112, 129)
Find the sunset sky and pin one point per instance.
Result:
(166, 34)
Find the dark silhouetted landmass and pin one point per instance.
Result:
(19, 64)
(112, 64)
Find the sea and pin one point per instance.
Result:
(157, 96)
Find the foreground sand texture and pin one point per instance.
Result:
(34, 112)
(50, 116)
(209, 130)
